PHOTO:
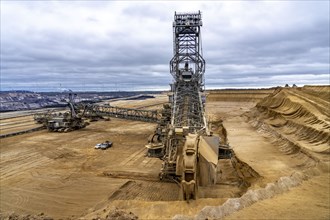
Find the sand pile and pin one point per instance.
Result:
(297, 117)
(118, 214)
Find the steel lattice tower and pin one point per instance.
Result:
(187, 68)
(187, 46)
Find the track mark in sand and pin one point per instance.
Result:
(149, 162)
(147, 191)
(19, 127)
(13, 206)
(20, 198)
(135, 156)
(22, 168)
(10, 123)
(132, 175)
(22, 164)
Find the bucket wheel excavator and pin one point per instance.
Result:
(182, 139)
(63, 122)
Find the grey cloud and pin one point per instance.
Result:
(129, 45)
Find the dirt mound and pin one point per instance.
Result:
(117, 214)
(14, 216)
(62, 154)
(296, 118)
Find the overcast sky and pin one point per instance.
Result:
(127, 45)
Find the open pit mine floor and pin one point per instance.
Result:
(279, 169)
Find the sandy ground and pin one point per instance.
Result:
(61, 175)
(11, 125)
(310, 200)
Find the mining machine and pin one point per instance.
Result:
(63, 122)
(182, 140)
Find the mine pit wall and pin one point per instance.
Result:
(245, 173)
(319, 91)
(294, 119)
(238, 95)
(297, 118)
(240, 171)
